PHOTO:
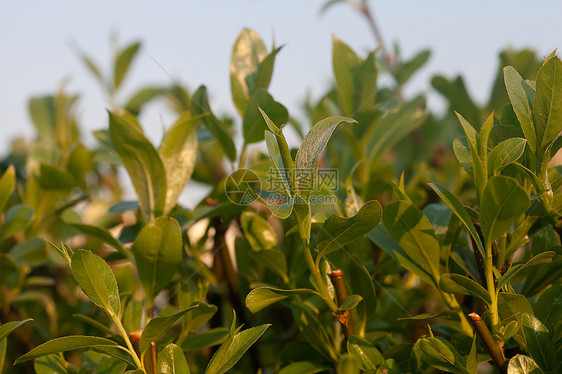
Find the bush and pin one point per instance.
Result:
(372, 246)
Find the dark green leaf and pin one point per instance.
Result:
(520, 95)
(31, 251)
(66, 343)
(253, 124)
(547, 107)
(158, 253)
(394, 126)
(440, 354)
(157, 327)
(16, 220)
(7, 328)
(458, 284)
(262, 297)
(257, 231)
(364, 352)
(232, 350)
(337, 232)
(543, 258)
(345, 62)
(96, 279)
(223, 134)
(506, 152)
(205, 339)
(457, 208)
(410, 67)
(7, 185)
(7, 267)
(503, 202)
(414, 233)
(548, 307)
(303, 367)
(101, 234)
(350, 302)
(171, 360)
(143, 164)
(178, 153)
(537, 339)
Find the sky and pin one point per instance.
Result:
(191, 41)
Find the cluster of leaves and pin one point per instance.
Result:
(323, 276)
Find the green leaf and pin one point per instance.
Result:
(158, 253)
(479, 172)
(540, 259)
(257, 231)
(547, 107)
(205, 339)
(7, 185)
(303, 367)
(457, 208)
(364, 352)
(123, 62)
(247, 53)
(548, 307)
(157, 327)
(463, 155)
(262, 297)
(537, 339)
(96, 279)
(17, 219)
(505, 153)
(408, 68)
(458, 284)
(521, 97)
(50, 364)
(272, 259)
(394, 126)
(503, 202)
(31, 251)
(178, 153)
(7, 267)
(101, 234)
(282, 211)
(232, 350)
(141, 97)
(345, 62)
(337, 232)
(224, 135)
(311, 148)
(414, 233)
(253, 124)
(521, 364)
(142, 162)
(440, 354)
(7, 328)
(350, 302)
(66, 343)
(171, 360)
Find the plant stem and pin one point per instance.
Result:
(153, 356)
(320, 284)
(368, 14)
(488, 267)
(341, 294)
(127, 340)
(491, 344)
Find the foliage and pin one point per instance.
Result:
(379, 222)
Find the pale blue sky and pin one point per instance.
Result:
(192, 41)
